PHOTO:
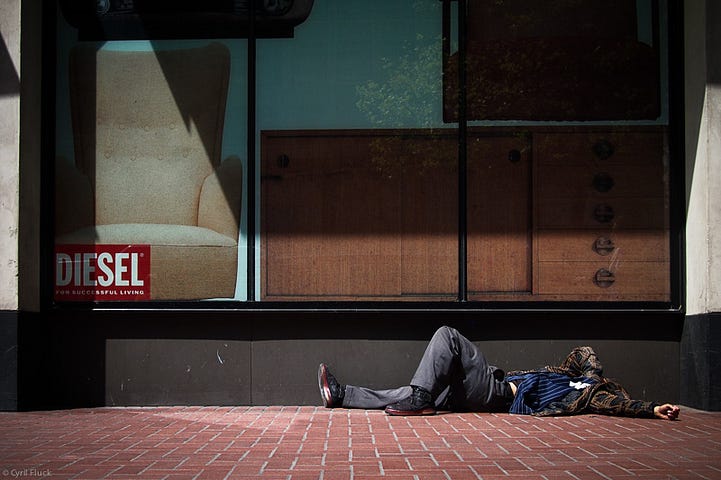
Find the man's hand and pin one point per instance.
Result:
(666, 411)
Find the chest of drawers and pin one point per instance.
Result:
(601, 226)
(553, 213)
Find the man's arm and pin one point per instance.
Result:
(617, 402)
(666, 411)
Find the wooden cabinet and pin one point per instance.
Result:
(499, 214)
(552, 213)
(601, 215)
(358, 215)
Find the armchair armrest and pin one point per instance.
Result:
(74, 199)
(220, 198)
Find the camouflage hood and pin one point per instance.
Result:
(582, 361)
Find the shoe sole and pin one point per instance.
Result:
(410, 413)
(323, 386)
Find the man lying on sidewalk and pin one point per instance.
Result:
(454, 375)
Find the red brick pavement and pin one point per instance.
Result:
(313, 443)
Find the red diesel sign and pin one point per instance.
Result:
(102, 272)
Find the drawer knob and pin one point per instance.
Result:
(514, 156)
(604, 278)
(603, 149)
(603, 246)
(283, 160)
(603, 213)
(603, 182)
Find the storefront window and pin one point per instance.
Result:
(151, 141)
(414, 150)
(358, 170)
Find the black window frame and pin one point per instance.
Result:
(461, 304)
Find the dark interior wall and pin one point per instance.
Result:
(83, 358)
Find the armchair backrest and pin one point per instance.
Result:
(148, 129)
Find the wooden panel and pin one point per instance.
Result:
(571, 208)
(631, 278)
(578, 245)
(598, 211)
(579, 181)
(359, 214)
(372, 214)
(331, 221)
(633, 163)
(429, 206)
(499, 214)
(492, 19)
(600, 148)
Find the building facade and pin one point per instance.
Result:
(198, 208)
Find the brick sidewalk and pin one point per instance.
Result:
(304, 443)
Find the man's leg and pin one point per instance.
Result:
(362, 397)
(334, 394)
(452, 373)
(453, 365)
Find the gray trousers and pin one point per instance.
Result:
(454, 371)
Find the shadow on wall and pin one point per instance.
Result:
(9, 79)
(703, 71)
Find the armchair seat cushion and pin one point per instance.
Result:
(186, 262)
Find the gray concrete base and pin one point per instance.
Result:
(83, 358)
(8, 361)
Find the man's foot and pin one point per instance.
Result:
(331, 391)
(419, 402)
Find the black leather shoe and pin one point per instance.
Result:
(331, 391)
(419, 402)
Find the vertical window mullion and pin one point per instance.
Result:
(250, 181)
(462, 158)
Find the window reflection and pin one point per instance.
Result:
(356, 122)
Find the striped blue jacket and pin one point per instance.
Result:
(537, 390)
(553, 390)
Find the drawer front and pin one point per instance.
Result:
(602, 212)
(580, 181)
(600, 148)
(603, 245)
(601, 179)
(615, 280)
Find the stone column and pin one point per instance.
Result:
(9, 197)
(701, 342)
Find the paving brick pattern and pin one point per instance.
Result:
(314, 443)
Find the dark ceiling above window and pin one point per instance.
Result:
(166, 19)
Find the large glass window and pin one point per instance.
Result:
(413, 150)
(151, 141)
(359, 172)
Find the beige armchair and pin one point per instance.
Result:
(148, 131)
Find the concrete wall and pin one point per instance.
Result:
(270, 358)
(9, 151)
(701, 342)
(9, 197)
(31, 135)
(703, 149)
(20, 206)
